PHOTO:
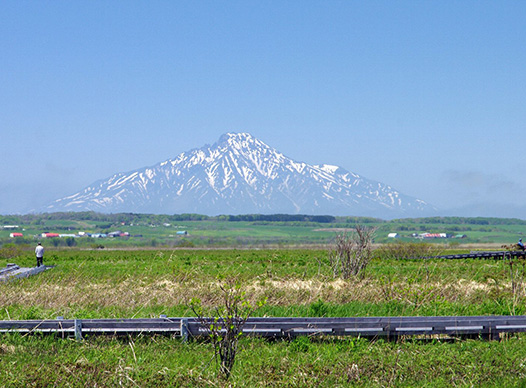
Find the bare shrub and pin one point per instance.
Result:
(225, 325)
(407, 250)
(351, 252)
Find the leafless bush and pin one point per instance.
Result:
(351, 252)
(226, 323)
(407, 250)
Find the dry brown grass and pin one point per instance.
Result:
(169, 291)
(150, 284)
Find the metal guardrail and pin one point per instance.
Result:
(487, 327)
(79, 327)
(13, 271)
(482, 255)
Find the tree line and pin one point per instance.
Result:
(137, 218)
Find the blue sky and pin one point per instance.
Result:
(427, 96)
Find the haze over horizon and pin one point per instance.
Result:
(426, 97)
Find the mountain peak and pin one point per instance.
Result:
(236, 136)
(240, 140)
(241, 174)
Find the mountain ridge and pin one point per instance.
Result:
(240, 174)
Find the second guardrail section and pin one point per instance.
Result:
(281, 327)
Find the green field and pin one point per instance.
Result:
(260, 231)
(94, 283)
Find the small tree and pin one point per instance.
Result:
(225, 326)
(70, 241)
(351, 252)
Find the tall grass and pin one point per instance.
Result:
(108, 284)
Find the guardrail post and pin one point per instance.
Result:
(184, 329)
(493, 335)
(78, 329)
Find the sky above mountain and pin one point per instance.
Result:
(427, 97)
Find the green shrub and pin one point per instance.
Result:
(9, 251)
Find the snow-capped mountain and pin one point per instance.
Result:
(241, 175)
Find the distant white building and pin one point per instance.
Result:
(433, 235)
(393, 235)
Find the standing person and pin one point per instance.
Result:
(39, 252)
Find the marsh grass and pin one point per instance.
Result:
(126, 284)
(111, 284)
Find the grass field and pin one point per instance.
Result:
(147, 283)
(159, 231)
(165, 362)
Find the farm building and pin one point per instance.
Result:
(393, 235)
(118, 233)
(12, 235)
(433, 235)
(49, 235)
